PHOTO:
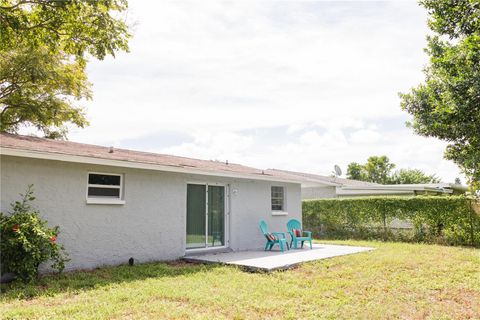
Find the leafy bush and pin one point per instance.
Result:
(27, 241)
(447, 220)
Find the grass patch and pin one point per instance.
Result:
(398, 280)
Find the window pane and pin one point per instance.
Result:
(277, 198)
(277, 202)
(277, 207)
(103, 192)
(216, 216)
(104, 179)
(196, 211)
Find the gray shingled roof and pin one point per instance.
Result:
(68, 148)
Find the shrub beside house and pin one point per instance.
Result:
(450, 220)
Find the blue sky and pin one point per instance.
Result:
(298, 85)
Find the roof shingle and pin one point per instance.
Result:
(35, 144)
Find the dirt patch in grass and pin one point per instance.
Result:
(461, 303)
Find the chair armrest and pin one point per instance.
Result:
(309, 233)
(280, 235)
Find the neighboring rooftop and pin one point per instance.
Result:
(34, 147)
(348, 187)
(319, 179)
(413, 189)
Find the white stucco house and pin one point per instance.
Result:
(112, 204)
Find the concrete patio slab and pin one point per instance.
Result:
(259, 260)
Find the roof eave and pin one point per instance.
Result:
(134, 165)
(398, 188)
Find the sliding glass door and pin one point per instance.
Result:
(196, 222)
(205, 216)
(216, 216)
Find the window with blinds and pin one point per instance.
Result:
(278, 198)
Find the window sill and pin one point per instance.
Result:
(104, 201)
(279, 213)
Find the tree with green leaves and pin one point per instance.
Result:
(447, 104)
(378, 169)
(355, 171)
(44, 49)
(412, 176)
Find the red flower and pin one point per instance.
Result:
(53, 238)
(16, 228)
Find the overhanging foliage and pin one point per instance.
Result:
(447, 104)
(44, 49)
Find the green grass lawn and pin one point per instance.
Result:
(409, 281)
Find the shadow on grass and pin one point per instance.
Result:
(79, 281)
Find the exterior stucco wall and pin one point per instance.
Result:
(252, 203)
(150, 226)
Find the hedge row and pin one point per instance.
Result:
(453, 220)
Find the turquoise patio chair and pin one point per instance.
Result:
(273, 237)
(304, 236)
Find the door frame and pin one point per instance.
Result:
(226, 215)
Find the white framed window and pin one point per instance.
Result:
(278, 199)
(105, 188)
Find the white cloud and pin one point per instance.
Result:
(220, 146)
(327, 73)
(366, 137)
